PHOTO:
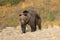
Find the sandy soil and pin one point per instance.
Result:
(11, 33)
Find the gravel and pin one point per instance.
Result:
(11, 33)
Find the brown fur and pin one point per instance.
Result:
(31, 18)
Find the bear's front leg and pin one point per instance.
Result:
(23, 27)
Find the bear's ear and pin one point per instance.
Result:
(19, 14)
(25, 11)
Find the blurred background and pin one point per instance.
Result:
(49, 11)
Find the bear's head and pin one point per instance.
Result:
(23, 16)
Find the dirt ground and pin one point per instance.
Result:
(11, 33)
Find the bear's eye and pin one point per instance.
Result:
(20, 15)
(25, 14)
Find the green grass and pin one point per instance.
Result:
(12, 2)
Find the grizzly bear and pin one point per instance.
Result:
(31, 18)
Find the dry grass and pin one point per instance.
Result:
(49, 12)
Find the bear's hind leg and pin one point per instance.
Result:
(39, 24)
